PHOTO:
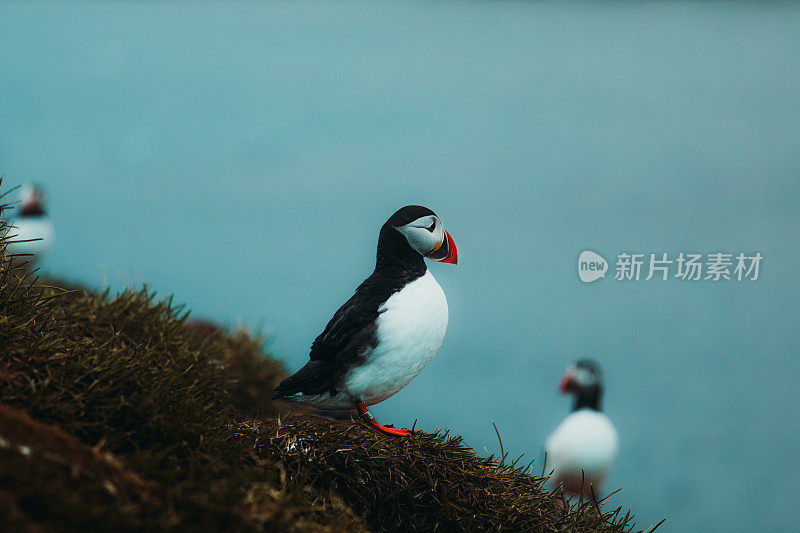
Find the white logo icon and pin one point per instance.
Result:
(591, 266)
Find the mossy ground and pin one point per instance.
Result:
(119, 413)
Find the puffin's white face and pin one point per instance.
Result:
(581, 376)
(578, 377)
(425, 234)
(25, 193)
(30, 193)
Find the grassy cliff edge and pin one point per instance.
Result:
(120, 413)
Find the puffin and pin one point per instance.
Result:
(583, 447)
(386, 333)
(32, 231)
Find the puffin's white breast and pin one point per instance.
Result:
(586, 440)
(31, 228)
(411, 327)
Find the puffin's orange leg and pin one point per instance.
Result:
(368, 418)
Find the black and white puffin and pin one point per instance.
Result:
(383, 336)
(32, 231)
(584, 446)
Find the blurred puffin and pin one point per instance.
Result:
(586, 440)
(383, 336)
(31, 222)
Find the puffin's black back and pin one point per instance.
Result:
(352, 330)
(589, 396)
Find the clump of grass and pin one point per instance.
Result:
(130, 375)
(49, 480)
(119, 412)
(426, 482)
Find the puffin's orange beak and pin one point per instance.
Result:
(566, 384)
(445, 251)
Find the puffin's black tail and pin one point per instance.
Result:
(314, 378)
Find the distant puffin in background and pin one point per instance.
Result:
(31, 222)
(383, 336)
(586, 439)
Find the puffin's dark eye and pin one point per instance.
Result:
(432, 227)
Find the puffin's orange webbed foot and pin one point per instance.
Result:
(388, 429)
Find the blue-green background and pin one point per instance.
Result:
(243, 156)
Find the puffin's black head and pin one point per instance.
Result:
(414, 232)
(32, 199)
(585, 381)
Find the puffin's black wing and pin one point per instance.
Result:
(349, 334)
(353, 321)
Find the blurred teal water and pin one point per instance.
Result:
(243, 156)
